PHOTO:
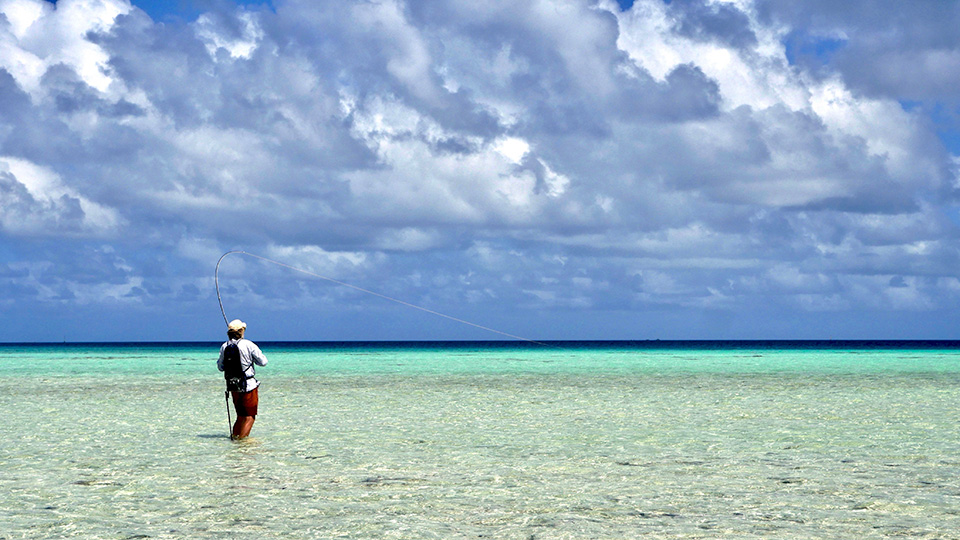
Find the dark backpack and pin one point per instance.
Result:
(233, 370)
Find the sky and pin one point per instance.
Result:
(565, 169)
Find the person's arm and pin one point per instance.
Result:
(257, 355)
(220, 360)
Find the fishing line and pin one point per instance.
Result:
(216, 279)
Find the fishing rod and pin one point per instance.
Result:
(226, 398)
(216, 279)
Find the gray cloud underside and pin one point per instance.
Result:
(513, 156)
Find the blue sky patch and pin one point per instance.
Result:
(800, 46)
(188, 10)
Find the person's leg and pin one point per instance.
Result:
(241, 428)
(246, 405)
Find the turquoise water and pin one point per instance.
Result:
(473, 440)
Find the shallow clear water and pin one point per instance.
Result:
(375, 442)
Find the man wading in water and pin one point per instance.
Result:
(237, 357)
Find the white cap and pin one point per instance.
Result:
(236, 324)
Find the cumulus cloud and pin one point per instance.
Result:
(38, 35)
(36, 201)
(552, 157)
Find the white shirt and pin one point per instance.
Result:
(250, 354)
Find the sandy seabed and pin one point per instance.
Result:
(791, 454)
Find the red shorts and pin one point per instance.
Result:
(246, 402)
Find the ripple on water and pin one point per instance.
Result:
(679, 455)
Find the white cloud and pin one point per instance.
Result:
(556, 183)
(418, 183)
(21, 14)
(239, 46)
(35, 200)
(409, 59)
(758, 77)
(333, 264)
(42, 35)
(512, 148)
(887, 130)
